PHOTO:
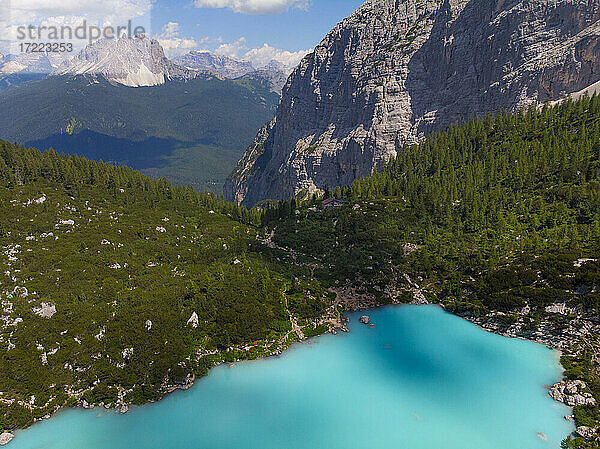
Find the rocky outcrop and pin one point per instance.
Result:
(45, 310)
(193, 320)
(572, 393)
(398, 70)
(586, 432)
(6, 438)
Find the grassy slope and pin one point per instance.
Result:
(113, 251)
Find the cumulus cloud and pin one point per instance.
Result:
(172, 43)
(233, 49)
(71, 13)
(261, 56)
(27, 11)
(254, 6)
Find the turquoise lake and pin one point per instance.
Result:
(421, 379)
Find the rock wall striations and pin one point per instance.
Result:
(397, 70)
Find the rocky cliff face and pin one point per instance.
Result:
(398, 70)
(133, 62)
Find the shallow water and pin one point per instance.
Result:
(421, 379)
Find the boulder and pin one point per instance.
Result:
(193, 321)
(572, 393)
(46, 310)
(365, 319)
(5, 438)
(585, 432)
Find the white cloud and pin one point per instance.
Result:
(33, 11)
(173, 44)
(70, 13)
(254, 6)
(233, 49)
(261, 56)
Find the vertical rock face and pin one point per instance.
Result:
(398, 70)
(133, 62)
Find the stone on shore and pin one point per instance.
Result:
(585, 432)
(572, 393)
(365, 319)
(5, 438)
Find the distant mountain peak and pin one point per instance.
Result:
(40, 63)
(276, 66)
(219, 65)
(134, 62)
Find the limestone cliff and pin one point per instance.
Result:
(397, 70)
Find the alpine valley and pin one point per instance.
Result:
(426, 152)
(122, 101)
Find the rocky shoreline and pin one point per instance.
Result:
(563, 328)
(567, 338)
(564, 339)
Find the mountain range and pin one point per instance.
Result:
(134, 62)
(216, 64)
(124, 102)
(425, 153)
(18, 69)
(394, 72)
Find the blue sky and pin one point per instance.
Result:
(256, 30)
(293, 30)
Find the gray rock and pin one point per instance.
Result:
(365, 319)
(419, 298)
(5, 438)
(396, 71)
(133, 62)
(569, 392)
(193, 320)
(585, 432)
(45, 310)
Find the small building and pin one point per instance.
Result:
(332, 203)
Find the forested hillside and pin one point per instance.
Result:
(190, 131)
(115, 287)
(496, 218)
(473, 198)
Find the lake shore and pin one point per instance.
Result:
(567, 341)
(417, 367)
